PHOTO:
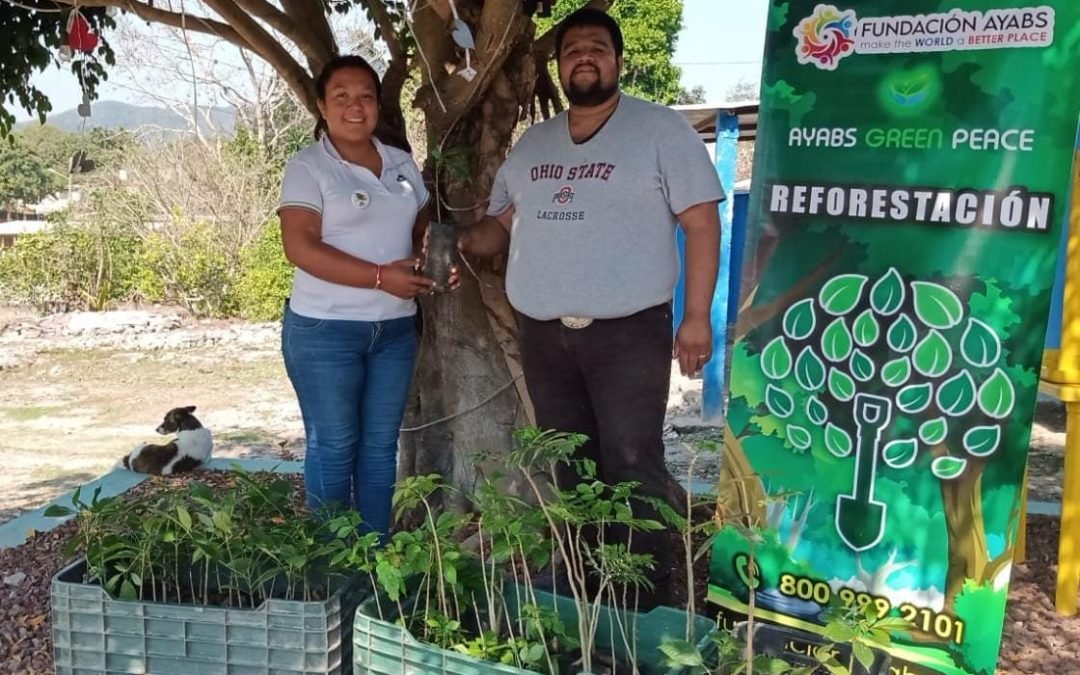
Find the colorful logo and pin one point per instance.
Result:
(564, 196)
(825, 37)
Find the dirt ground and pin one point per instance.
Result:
(77, 391)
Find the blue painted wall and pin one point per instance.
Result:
(725, 299)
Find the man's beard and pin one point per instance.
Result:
(592, 95)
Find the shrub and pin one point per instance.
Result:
(72, 267)
(265, 278)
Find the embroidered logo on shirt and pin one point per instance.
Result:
(564, 196)
(361, 199)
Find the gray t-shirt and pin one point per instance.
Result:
(593, 232)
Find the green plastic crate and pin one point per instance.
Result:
(95, 633)
(382, 648)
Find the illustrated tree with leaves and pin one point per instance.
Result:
(892, 373)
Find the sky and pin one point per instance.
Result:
(718, 47)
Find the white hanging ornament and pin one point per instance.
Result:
(468, 72)
(64, 54)
(84, 107)
(459, 30)
(112, 10)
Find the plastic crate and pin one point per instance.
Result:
(380, 647)
(95, 633)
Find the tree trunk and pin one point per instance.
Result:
(968, 555)
(468, 355)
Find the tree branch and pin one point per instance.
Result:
(240, 29)
(309, 15)
(544, 47)
(152, 14)
(269, 49)
(386, 29)
(501, 26)
(299, 32)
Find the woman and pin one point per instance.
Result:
(352, 210)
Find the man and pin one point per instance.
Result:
(587, 204)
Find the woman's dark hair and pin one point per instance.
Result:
(587, 16)
(340, 63)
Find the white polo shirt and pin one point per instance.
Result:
(367, 216)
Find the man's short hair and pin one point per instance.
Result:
(588, 16)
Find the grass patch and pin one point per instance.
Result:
(30, 412)
(246, 437)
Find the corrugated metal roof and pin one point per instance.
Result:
(702, 116)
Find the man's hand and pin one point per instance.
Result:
(489, 237)
(693, 345)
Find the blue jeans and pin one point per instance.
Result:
(352, 381)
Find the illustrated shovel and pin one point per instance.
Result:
(860, 520)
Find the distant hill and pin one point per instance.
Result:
(118, 115)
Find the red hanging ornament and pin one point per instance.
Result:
(80, 37)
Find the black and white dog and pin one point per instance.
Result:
(191, 447)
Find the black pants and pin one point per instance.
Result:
(609, 381)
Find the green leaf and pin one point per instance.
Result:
(779, 402)
(836, 343)
(816, 411)
(914, 398)
(839, 632)
(841, 386)
(888, 293)
(680, 653)
(862, 366)
(902, 335)
(933, 356)
(128, 591)
(837, 441)
(956, 395)
(936, 306)
(57, 511)
(841, 294)
(776, 360)
(534, 653)
(896, 372)
(948, 468)
(980, 345)
(933, 431)
(866, 330)
(222, 521)
(798, 437)
(901, 453)
(997, 396)
(184, 517)
(863, 654)
(800, 320)
(809, 370)
(982, 441)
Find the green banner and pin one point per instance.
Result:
(911, 180)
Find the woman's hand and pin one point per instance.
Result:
(401, 279)
(455, 275)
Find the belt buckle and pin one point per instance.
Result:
(576, 322)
